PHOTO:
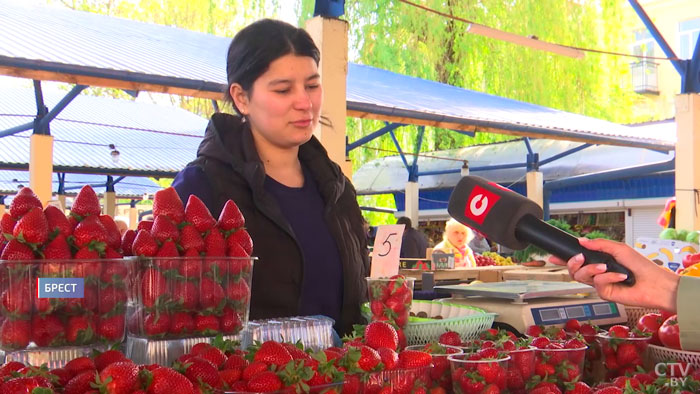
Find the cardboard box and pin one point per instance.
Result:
(665, 252)
(442, 261)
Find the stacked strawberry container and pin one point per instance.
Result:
(80, 255)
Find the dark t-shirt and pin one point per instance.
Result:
(413, 244)
(322, 287)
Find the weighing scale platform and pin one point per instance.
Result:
(522, 303)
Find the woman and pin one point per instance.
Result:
(455, 240)
(300, 210)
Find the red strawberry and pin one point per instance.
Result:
(185, 294)
(264, 382)
(15, 250)
(168, 249)
(14, 334)
(198, 370)
(111, 328)
(153, 288)
(86, 203)
(57, 221)
(166, 202)
(236, 250)
(181, 323)
(7, 224)
(230, 217)
(272, 352)
(568, 372)
(120, 378)
(16, 300)
(26, 385)
(87, 254)
(32, 228)
(80, 364)
(211, 294)
(191, 239)
(79, 330)
(111, 298)
(9, 367)
(198, 214)
(80, 383)
(450, 338)
(23, 201)
(164, 229)
(414, 359)
(380, 334)
(57, 249)
(192, 267)
(230, 376)
(62, 376)
(168, 381)
(90, 231)
(534, 331)
(144, 244)
(578, 388)
(369, 358)
(214, 356)
(113, 272)
(627, 354)
(540, 342)
(572, 325)
(230, 321)
(127, 242)
(144, 225)
(215, 244)
(235, 361)
(242, 238)
(619, 331)
(103, 359)
(238, 292)
(114, 236)
(545, 388)
(156, 324)
(389, 358)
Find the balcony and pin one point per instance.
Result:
(645, 77)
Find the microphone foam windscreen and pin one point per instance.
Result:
(491, 209)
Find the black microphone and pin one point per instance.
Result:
(515, 221)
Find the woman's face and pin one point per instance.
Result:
(457, 236)
(285, 102)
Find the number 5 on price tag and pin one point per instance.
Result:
(387, 247)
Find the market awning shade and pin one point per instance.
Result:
(50, 43)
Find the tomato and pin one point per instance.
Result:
(666, 314)
(669, 333)
(651, 323)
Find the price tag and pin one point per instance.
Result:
(386, 251)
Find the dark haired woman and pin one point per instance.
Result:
(300, 210)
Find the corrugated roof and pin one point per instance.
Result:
(79, 43)
(389, 174)
(151, 139)
(129, 187)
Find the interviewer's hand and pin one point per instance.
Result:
(655, 286)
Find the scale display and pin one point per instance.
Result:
(557, 315)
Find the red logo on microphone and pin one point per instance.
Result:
(479, 204)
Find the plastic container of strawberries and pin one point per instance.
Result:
(186, 297)
(31, 322)
(401, 380)
(321, 389)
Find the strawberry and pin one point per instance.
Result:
(87, 254)
(198, 214)
(214, 356)
(215, 244)
(236, 250)
(111, 299)
(181, 323)
(168, 381)
(16, 300)
(191, 268)
(568, 372)
(113, 272)
(27, 385)
(168, 249)
(144, 225)
(450, 338)
(230, 321)
(127, 242)
(32, 228)
(164, 229)
(103, 359)
(235, 361)
(57, 221)
(380, 334)
(144, 245)
(540, 342)
(153, 288)
(114, 236)
(199, 370)
(185, 294)
(190, 238)
(264, 382)
(80, 364)
(619, 331)
(111, 328)
(23, 201)
(609, 390)
(15, 250)
(206, 324)
(86, 203)
(242, 238)
(544, 369)
(7, 224)
(156, 324)
(389, 358)
(272, 352)
(121, 377)
(238, 292)
(90, 231)
(9, 367)
(166, 202)
(545, 388)
(57, 249)
(572, 325)
(15, 334)
(238, 267)
(62, 376)
(230, 217)
(211, 294)
(79, 330)
(80, 383)
(230, 376)
(534, 331)
(627, 354)
(414, 359)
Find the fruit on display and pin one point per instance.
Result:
(492, 258)
(623, 350)
(481, 372)
(390, 301)
(651, 322)
(669, 333)
(193, 272)
(45, 243)
(680, 235)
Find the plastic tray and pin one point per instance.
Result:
(56, 357)
(660, 354)
(466, 320)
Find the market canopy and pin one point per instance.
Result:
(48, 43)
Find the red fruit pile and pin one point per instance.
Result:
(440, 375)
(559, 362)
(63, 247)
(483, 261)
(193, 277)
(484, 371)
(390, 301)
(623, 350)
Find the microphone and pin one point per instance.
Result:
(515, 221)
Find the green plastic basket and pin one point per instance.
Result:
(466, 320)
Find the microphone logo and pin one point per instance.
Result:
(479, 204)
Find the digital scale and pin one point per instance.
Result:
(522, 303)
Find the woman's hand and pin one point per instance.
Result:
(655, 287)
